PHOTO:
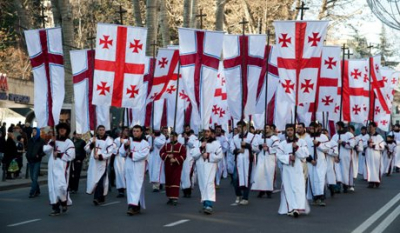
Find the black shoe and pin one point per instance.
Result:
(269, 194)
(96, 202)
(345, 189)
(174, 202)
(156, 190)
(332, 190)
(377, 185)
(170, 202)
(64, 209)
(132, 211)
(72, 192)
(370, 185)
(55, 213)
(296, 214)
(120, 195)
(260, 194)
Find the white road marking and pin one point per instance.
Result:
(276, 191)
(387, 221)
(234, 204)
(22, 223)
(111, 203)
(367, 223)
(177, 223)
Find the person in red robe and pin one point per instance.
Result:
(173, 154)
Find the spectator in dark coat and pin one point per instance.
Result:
(34, 156)
(28, 130)
(10, 153)
(76, 168)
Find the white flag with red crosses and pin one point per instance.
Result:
(200, 52)
(299, 47)
(119, 65)
(220, 113)
(328, 80)
(355, 100)
(46, 54)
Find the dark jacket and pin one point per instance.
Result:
(10, 152)
(2, 144)
(34, 153)
(80, 153)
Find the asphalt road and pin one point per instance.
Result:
(343, 213)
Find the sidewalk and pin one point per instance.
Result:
(22, 183)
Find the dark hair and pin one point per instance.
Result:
(273, 126)
(373, 124)
(363, 128)
(313, 124)
(289, 126)
(352, 127)
(218, 127)
(240, 123)
(138, 127)
(302, 124)
(174, 133)
(340, 124)
(63, 126)
(101, 126)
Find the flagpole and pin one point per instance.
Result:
(266, 89)
(154, 44)
(243, 23)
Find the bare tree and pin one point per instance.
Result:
(151, 23)
(220, 15)
(193, 17)
(137, 13)
(164, 25)
(187, 5)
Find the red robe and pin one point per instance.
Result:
(173, 170)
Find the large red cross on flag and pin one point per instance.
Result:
(299, 46)
(355, 98)
(200, 52)
(245, 64)
(119, 65)
(46, 54)
(378, 83)
(87, 115)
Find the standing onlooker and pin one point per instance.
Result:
(2, 145)
(20, 152)
(28, 130)
(34, 156)
(76, 168)
(10, 153)
(3, 129)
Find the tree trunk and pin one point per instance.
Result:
(186, 13)
(193, 17)
(25, 21)
(296, 11)
(138, 15)
(67, 26)
(151, 23)
(55, 9)
(220, 15)
(324, 9)
(164, 27)
(249, 17)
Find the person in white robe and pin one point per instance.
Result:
(396, 162)
(119, 162)
(290, 153)
(346, 144)
(317, 164)
(331, 160)
(373, 156)
(363, 137)
(61, 151)
(156, 165)
(222, 171)
(136, 150)
(241, 146)
(388, 155)
(100, 147)
(207, 155)
(264, 174)
(190, 141)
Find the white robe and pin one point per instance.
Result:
(243, 159)
(293, 194)
(58, 170)
(264, 172)
(97, 167)
(317, 174)
(373, 157)
(346, 158)
(222, 171)
(388, 155)
(207, 168)
(187, 179)
(156, 165)
(230, 157)
(119, 164)
(331, 153)
(362, 168)
(135, 169)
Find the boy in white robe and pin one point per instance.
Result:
(207, 156)
(100, 147)
(362, 168)
(191, 141)
(222, 165)
(388, 155)
(241, 147)
(119, 162)
(373, 156)
(61, 151)
(156, 165)
(293, 195)
(264, 174)
(136, 150)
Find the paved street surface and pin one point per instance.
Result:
(365, 210)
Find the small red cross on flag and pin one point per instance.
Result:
(119, 65)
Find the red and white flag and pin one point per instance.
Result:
(200, 52)
(166, 70)
(220, 112)
(87, 115)
(119, 65)
(46, 54)
(3, 82)
(328, 80)
(355, 100)
(299, 48)
(244, 66)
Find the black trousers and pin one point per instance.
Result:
(74, 176)
(98, 193)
